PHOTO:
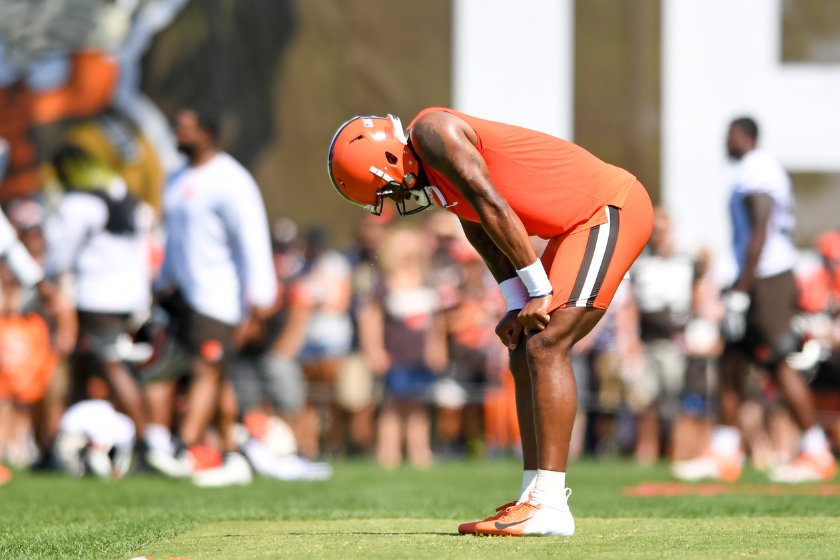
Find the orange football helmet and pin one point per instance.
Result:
(369, 159)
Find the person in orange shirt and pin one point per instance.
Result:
(506, 183)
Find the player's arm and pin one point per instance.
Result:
(447, 144)
(759, 207)
(500, 266)
(509, 328)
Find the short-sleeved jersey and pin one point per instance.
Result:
(759, 173)
(554, 186)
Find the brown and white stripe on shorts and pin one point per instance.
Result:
(596, 260)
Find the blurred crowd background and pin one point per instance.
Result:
(381, 343)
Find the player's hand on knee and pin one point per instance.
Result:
(509, 329)
(534, 316)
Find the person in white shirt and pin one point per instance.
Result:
(757, 322)
(218, 281)
(104, 244)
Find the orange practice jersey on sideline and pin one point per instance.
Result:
(27, 362)
(553, 185)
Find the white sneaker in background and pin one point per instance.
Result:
(808, 467)
(711, 465)
(289, 467)
(174, 466)
(234, 471)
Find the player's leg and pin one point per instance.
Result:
(527, 432)
(103, 331)
(771, 314)
(586, 268)
(554, 389)
(202, 400)
(525, 416)
(815, 461)
(733, 372)
(235, 468)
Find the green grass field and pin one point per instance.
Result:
(365, 512)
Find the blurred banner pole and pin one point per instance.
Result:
(721, 60)
(514, 62)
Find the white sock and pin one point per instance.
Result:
(814, 441)
(550, 489)
(159, 438)
(726, 440)
(529, 478)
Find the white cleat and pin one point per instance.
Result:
(551, 522)
(709, 466)
(808, 467)
(531, 520)
(289, 467)
(174, 466)
(234, 471)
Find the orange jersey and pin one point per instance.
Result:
(553, 185)
(26, 360)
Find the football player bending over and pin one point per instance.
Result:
(506, 183)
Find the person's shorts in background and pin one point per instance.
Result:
(101, 333)
(314, 351)
(201, 336)
(662, 378)
(773, 305)
(408, 383)
(267, 376)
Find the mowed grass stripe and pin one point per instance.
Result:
(764, 537)
(46, 516)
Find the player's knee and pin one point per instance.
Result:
(550, 344)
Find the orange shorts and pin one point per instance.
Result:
(586, 267)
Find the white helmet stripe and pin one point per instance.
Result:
(382, 174)
(398, 129)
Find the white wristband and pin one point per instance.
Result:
(535, 279)
(514, 293)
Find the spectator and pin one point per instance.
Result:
(403, 337)
(356, 388)
(758, 319)
(218, 260)
(26, 369)
(819, 297)
(265, 372)
(104, 245)
(325, 288)
(28, 217)
(662, 284)
(470, 322)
